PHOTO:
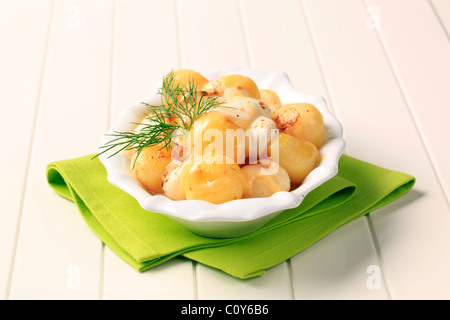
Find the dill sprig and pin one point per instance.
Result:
(180, 107)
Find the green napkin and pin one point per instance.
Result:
(145, 239)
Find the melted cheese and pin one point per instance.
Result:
(243, 110)
(171, 180)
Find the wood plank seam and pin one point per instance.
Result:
(178, 31)
(410, 108)
(246, 35)
(194, 279)
(438, 17)
(102, 272)
(331, 105)
(376, 244)
(108, 124)
(291, 278)
(30, 148)
(319, 59)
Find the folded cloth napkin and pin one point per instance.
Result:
(145, 239)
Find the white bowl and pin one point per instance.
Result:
(237, 217)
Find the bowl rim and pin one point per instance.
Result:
(118, 172)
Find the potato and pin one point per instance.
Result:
(183, 77)
(263, 180)
(297, 157)
(149, 167)
(262, 130)
(215, 125)
(233, 85)
(271, 98)
(211, 179)
(303, 121)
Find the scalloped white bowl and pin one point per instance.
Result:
(237, 217)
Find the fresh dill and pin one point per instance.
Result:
(180, 107)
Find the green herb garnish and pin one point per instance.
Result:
(180, 107)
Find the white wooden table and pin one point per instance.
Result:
(68, 66)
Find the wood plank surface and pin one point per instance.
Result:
(21, 66)
(57, 255)
(422, 67)
(378, 123)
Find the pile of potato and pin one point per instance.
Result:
(205, 165)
